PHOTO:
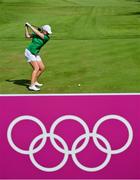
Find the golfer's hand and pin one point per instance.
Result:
(27, 24)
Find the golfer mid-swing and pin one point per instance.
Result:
(39, 38)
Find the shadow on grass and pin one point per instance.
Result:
(137, 13)
(133, 13)
(20, 82)
(134, 0)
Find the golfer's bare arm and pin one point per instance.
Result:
(37, 32)
(27, 34)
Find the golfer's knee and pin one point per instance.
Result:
(36, 69)
(42, 69)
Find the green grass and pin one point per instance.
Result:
(95, 43)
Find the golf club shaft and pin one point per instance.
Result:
(37, 27)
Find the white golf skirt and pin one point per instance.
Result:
(31, 57)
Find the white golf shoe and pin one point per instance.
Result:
(34, 88)
(38, 84)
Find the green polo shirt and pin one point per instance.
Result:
(37, 43)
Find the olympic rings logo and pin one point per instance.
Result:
(74, 150)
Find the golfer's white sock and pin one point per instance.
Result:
(32, 85)
(38, 84)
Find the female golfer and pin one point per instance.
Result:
(39, 38)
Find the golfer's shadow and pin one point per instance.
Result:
(20, 82)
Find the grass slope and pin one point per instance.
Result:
(95, 43)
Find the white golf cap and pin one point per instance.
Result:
(47, 28)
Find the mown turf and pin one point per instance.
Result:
(95, 43)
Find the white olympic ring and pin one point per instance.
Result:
(23, 118)
(64, 118)
(31, 154)
(119, 118)
(73, 151)
(95, 168)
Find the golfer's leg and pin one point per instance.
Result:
(35, 67)
(41, 68)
